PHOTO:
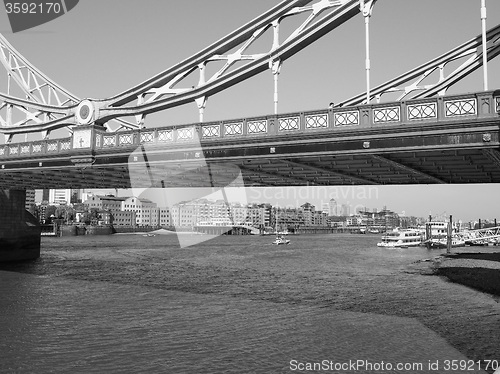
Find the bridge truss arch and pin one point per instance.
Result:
(33, 103)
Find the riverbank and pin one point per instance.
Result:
(477, 270)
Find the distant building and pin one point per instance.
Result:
(333, 208)
(107, 202)
(145, 210)
(267, 213)
(256, 215)
(308, 210)
(164, 217)
(76, 196)
(59, 196)
(103, 217)
(30, 200)
(182, 215)
(345, 210)
(120, 218)
(325, 208)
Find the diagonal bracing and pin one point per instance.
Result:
(165, 90)
(410, 83)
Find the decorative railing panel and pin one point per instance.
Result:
(234, 128)
(37, 148)
(210, 131)
(289, 124)
(316, 121)
(257, 127)
(147, 137)
(461, 107)
(422, 111)
(52, 147)
(165, 135)
(65, 145)
(126, 139)
(109, 141)
(14, 150)
(347, 118)
(387, 114)
(185, 133)
(426, 110)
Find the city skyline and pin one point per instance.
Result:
(131, 41)
(356, 198)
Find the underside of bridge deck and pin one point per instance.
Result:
(420, 167)
(447, 152)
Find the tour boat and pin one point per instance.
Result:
(401, 239)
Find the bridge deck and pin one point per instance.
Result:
(451, 139)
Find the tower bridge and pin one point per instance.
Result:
(425, 136)
(449, 139)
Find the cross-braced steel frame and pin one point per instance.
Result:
(39, 105)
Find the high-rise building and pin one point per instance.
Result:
(325, 208)
(332, 208)
(59, 196)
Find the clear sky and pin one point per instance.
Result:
(103, 47)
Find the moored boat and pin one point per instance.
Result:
(437, 232)
(401, 239)
(440, 243)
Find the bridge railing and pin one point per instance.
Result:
(411, 112)
(36, 148)
(435, 110)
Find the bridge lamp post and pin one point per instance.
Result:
(483, 32)
(366, 7)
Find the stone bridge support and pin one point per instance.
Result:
(19, 230)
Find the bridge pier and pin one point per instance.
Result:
(19, 230)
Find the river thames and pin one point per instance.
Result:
(333, 303)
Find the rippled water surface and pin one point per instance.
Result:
(237, 304)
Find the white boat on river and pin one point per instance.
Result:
(401, 239)
(281, 239)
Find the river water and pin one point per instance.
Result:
(238, 304)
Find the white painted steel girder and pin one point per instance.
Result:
(410, 82)
(45, 106)
(163, 91)
(58, 108)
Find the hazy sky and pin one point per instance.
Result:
(103, 47)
